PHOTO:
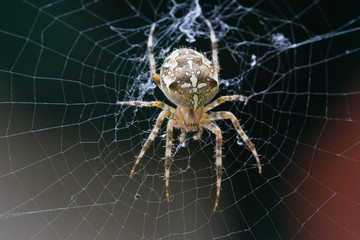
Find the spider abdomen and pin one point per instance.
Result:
(188, 78)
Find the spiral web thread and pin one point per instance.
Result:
(67, 149)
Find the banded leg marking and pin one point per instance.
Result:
(214, 47)
(151, 138)
(244, 137)
(223, 99)
(152, 63)
(147, 104)
(218, 159)
(168, 146)
(199, 133)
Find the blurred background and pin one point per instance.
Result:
(66, 149)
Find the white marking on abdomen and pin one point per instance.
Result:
(202, 85)
(190, 62)
(185, 85)
(193, 80)
(168, 80)
(214, 77)
(196, 99)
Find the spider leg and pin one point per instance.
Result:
(151, 138)
(218, 156)
(147, 104)
(214, 47)
(235, 122)
(182, 135)
(152, 63)
(223, 99)
(199, 133)
(168, 146)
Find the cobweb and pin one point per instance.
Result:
(66, 148)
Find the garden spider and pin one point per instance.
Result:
(189, 80)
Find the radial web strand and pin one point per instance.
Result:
(67, 149)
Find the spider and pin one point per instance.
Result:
(189, 80)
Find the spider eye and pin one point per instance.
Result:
(188, 78)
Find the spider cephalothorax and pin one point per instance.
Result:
(190, 81)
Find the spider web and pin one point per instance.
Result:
(66, 149)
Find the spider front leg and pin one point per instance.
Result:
(214, 47)
(152, 63)
(148, 104)
(223, 99)
(168, 146)
(182, 135)
(151, 138)
(218, 156)
(235, 122)
(199, 133)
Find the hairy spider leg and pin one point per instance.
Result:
(151, 138)
(168, 148)
(170, 113)
(182, 135)
(223, 99)
(148, 104)
(199, 133)
(218, 158)
(152, 63)
(244, 137)
(214, 47)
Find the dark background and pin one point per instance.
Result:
(66, 149)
